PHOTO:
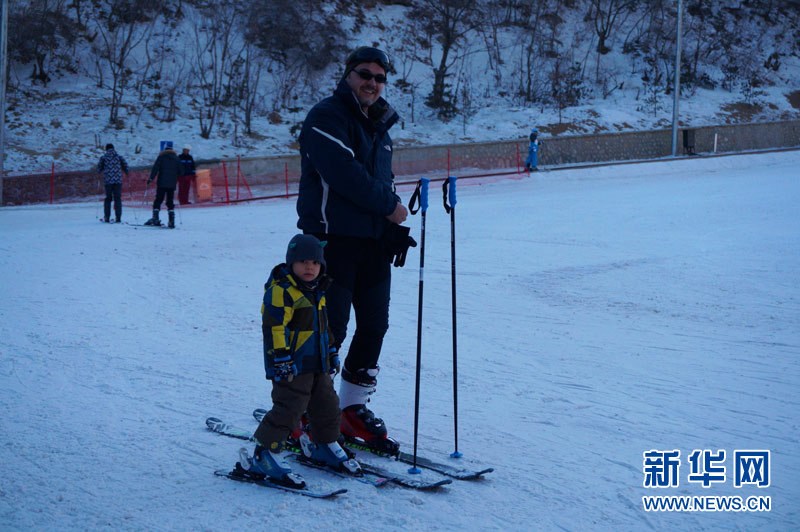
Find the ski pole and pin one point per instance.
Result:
(144, 200)
(180, 214)
(421, 193)
(449, 200)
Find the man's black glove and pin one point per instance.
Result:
(396, 240)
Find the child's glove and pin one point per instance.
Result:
(283, 367)
(334, 364)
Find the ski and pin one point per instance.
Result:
(240, 474)
(217, 425)
(160, 226)
(450, 470)
(376, 475)
(136, 225)
(406, 481)
(367, 477)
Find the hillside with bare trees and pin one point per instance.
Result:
(243, 72)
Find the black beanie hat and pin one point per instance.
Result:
(366, 54)
(305, 247)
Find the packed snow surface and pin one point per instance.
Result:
(601, 313)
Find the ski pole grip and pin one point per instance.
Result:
(452, 191)
(423, 193)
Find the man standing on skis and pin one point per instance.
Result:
(166, 169)
(347, 198)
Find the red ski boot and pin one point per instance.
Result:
(360, 428)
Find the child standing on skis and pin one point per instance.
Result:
(300, 359)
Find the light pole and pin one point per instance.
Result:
(3, 67)
(677, 84)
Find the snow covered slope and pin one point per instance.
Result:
(602, 312)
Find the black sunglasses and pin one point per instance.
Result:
(366, 75)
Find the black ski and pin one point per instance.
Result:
(217, 425)
(136, 226)
(240, 474)
(368, 477)
(451, 470)
(377, 475)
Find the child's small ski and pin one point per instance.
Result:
(239, 474)
(377, 475)
(220, 427)
(450, 470)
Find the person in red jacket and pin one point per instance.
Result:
(187, 176)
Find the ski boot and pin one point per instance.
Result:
(270, 465)
(331, 455)
(171, 223)
(154, 220)
(359, 425)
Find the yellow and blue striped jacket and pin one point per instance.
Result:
(294, 319)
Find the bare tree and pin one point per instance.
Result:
(404, 52)
(122, 26)
(299, 38)
(38, 30)
(164, 77)
(214, 40)
(250, 87)
(606, 16)
(566, 84)
(449, 23)
(532, 48)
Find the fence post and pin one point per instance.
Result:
(52, 181)
(238, 173)
(227, 192)
(286, 177)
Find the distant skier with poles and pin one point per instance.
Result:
(532, 162)
(112, 165)
(167, 169)
(300, 358)
(347, 197)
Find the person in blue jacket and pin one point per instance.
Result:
(347, 198)
(532, 162)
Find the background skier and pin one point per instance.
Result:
(112, 165)
(166, 169)
(532, 161)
